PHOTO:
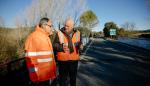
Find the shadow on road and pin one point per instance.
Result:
(111, 64)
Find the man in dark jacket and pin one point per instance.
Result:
(67, 44)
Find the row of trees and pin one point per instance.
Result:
(56, 10)
(88, 20)
(12, 40)
(125, 30)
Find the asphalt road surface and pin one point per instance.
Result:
(103, 63)
(111, 63)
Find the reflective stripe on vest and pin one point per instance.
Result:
(77, 36)
(38, 53)
(33, 69)
(61, 36)
(44, 60)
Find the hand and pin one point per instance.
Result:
(81, 47)
(65, 48)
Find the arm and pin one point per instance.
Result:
(81, 44)
(56, 44)
(30, 47)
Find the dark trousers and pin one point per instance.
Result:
(45, 83)
(67, 70)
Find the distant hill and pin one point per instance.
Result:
(144, 30)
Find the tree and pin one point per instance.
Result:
(2, 22)
(129, 26)
(97, 34)
(148, 4)
(84, 30)
(132, 26)
(108, 26)
(88, 19)
(121, 32)
(56, 10)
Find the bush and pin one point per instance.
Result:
(12, 42)
(145, 35)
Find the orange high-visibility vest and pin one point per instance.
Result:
(65, 56)
(39, 56)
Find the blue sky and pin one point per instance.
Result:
(9, 9)
(118, 11)
(121, 11)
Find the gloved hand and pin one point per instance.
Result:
(81, 47)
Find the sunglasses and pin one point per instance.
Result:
(49, 25)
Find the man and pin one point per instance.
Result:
(39, 53)
(67, 44)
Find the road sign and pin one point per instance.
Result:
(112, 32)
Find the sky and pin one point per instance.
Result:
(9, 9)
(121, 11)
(117, 11)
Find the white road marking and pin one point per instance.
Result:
(84, 53)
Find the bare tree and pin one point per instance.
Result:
(130, 26)
(148, 7)
(56, 10)
(79, 9)
(126, 25)
(2, 22)
(148, 4)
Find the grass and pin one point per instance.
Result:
(11, 47)
(12, 42)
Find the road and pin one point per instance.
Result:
(103, 63)
(111, 63)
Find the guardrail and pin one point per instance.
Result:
(9, 64)
(14, 73)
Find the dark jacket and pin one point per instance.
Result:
(59, 47)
